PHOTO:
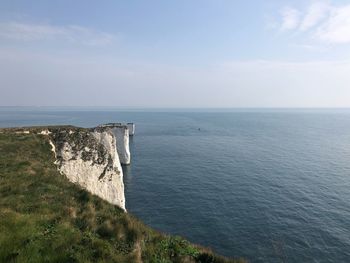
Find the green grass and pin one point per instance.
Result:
(45, 218)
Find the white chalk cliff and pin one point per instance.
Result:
(92, 158)
(131, 127)
(121, 132)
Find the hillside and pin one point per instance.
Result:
(45, 218)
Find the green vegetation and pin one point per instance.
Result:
(45, 218)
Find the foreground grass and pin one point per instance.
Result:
(45, 218)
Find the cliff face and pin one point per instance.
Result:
(89, 158)
(121, 132)
(131, 128)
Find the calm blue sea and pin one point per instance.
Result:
(267, 185)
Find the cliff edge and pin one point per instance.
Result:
(46, 218)
(90, 157)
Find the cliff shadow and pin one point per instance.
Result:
(127, 174)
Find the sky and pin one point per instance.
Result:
(170, 54)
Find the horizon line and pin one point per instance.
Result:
(157, 107)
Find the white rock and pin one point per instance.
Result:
(45, 132)
(122, 136)
(100, 175)
(53, 149)
(121, 132)
(22, 132)
(131, 127)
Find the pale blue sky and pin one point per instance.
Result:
(182, 53)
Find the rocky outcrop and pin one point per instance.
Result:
(121, 132)
(131, 127)
(89, 158)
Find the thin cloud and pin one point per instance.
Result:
(38, 32)
(314, 48)
(290, 18)
(315, 13)
(336, 29)
(321, 21)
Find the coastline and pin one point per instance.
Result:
(49, 205)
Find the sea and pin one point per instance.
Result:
(268, 185)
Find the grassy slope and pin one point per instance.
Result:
(45, 218)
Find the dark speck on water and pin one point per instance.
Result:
(267, 185)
